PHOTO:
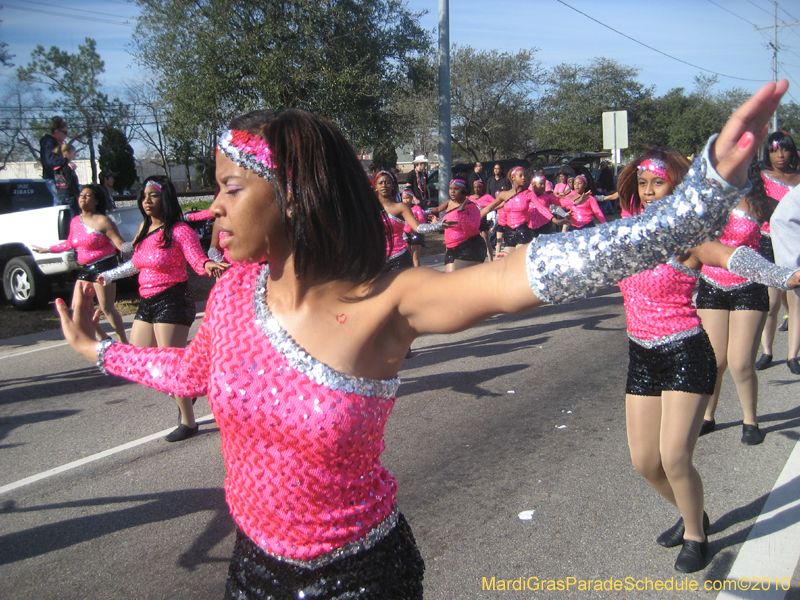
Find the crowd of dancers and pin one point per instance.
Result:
(304, 335)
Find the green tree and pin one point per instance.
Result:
(492, 101)
(5, 57)
(116, 154)
(75, 78)
(789, 119)
(344, 59)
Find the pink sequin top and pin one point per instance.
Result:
(301, 442)
(419, 215)
(92, 245)
(741, 230)
(395, 243)
(658, 302)
(469, 224)
(518, 209)
(484, 200)
(540, 214)
(583, 213)
(502, 216)
(774, 189)
(562, 188)
(161, 268)
(203, 215)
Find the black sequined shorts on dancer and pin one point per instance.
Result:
(485, 224)
(518, 236)
(751, 296)
(545, 229)
(401, 260)
(92, 270)
(765, 248)
(415, 239)
(392, 569)
(684, 364)
(174, 306)
(473, 250)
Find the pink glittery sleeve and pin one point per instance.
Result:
(203, 215)
(190, 245)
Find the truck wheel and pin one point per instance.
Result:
(26, 288)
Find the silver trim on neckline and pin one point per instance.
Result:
(304, 362)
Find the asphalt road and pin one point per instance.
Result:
(522, 413)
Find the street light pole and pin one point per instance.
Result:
(445, 151)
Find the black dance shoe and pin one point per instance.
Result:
(707, 427)
(692, 557)
(674, 535)
(183, 432)
(752, 435)
(794, 365)
(763, 362)
(785, 325)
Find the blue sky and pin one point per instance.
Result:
(718, 35)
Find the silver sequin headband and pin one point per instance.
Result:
(249, 151)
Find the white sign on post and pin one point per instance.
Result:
(615, 129)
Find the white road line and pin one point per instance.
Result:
(772, 549)
(92, 458)
(59, 344)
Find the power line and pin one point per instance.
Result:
(760, 7)
(790, 16)
(67, 16)
(80, 10)
(655, 49)
(733, 13)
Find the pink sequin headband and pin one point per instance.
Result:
(656, 166)
(538, 179)
(389, 173)
(154, 184)
(459, 183)
(249, 151)
(775, 144)
(583, 178)
(514, 170)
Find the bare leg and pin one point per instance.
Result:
(106, 295)
(745, 326)
(175, 336)
(485, 236)
(643, 421)
(143, 334)
(499, 241)
(794, 323)
(768, 336)
(415, 250)
(715, 322)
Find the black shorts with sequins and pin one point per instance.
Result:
(416, 239)
(401, 260)
(518, 237)
(765, 248)
(753, 296)
(392, 569)
(473, 250)
(682, 365)
(91, 271)
(174, 306)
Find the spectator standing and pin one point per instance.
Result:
(498, 182)
(48, 158)
(419, 180)
(66, 180)
(475, 174)
(107, 183)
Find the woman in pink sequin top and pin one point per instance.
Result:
(97, 240)
(161, 251)
(413, 239)
(780, 174)
(584, 208)
(397, 216)
(301, 345)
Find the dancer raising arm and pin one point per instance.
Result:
(300, 348)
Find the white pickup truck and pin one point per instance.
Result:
(28, 218)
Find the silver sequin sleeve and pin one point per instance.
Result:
(215, 255)
(121, 272)
(430, 227)
(570, 265)
(101, 355)
(746, 262)
(126, 250)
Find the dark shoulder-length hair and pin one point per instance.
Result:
(784, 140)
(761, 205)
(99, 197)
(336, 226)
(170, 210)
(628, 181)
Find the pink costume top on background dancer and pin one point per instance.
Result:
(561, 188)
(775, 189)
(468, 224)
(202, 215)
(540, 215)
(741, 230)
(419, 215)
(92, 245)
(582, 214)
(484, 200)
(284, 420)
(395, 243)
(658, 304)
(161, 268)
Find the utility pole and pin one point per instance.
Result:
(774, 46)
(445, 155)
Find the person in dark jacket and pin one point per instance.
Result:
(49, 159)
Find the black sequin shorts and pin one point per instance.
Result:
(401, 260)
(473, 250)
(518, 237)
(545, 229)
(683, 365)
(174, 305)
(485, 224)
(392, 569)
(501, 230)
(753, 296)
(765, 248)
(415, 239)
(92, 270)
